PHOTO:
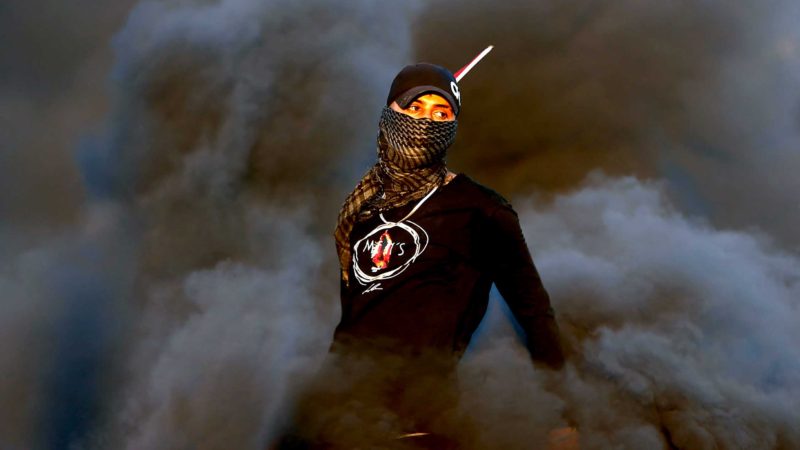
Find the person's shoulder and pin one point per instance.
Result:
(481, 194)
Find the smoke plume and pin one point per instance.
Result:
(702, 94)
(169, 277)
(683, 334)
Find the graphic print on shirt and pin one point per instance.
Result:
(382, 252)
(387, 251)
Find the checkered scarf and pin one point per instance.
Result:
(411, 161)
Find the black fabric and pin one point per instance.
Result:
(391, 369)
(424, 285)
(417, 79)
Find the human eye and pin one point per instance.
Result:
(441, 114)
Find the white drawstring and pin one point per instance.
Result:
(415, 207)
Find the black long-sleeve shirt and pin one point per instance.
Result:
(424, 282)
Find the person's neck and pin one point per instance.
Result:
(449, 177)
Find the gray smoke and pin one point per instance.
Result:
(232, 122)
(702, 94)
(681, 332)
(169, 280)
(176, 305)
(59, 257)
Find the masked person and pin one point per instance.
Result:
(419, 248)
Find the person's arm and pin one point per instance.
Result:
(518, 281)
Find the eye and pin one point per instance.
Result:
(414, 108)
(440, 114)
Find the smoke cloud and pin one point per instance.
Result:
(199, 272)
(226, 140)
(683, 334)
(169, 277)
(702, 94)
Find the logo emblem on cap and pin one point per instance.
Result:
(455, 91)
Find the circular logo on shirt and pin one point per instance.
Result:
(388, 250)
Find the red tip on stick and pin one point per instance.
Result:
(463, 71)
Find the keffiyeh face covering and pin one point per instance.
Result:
(411, 162)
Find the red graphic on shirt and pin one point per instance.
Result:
(382, 251)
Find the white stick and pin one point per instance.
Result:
(460, 74)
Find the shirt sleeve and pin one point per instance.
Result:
(518, 281)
